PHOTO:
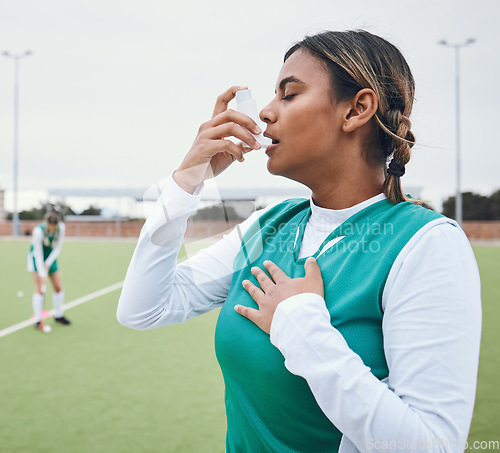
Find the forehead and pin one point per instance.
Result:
(305, 67)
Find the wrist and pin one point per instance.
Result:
(184, 183)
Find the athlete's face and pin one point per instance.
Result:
(302, 119)
(51, 228)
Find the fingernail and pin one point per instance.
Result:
(257, 130)
(257, 145)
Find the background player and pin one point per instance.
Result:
(46, 244)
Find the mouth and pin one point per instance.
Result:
(274, 141)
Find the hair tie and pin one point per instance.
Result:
(396, 169)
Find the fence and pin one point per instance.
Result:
(203, 229)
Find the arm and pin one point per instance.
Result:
(37, 242)
(431, 328)
(57, 249)
(157, 291)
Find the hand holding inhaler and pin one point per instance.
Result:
(247, 105)
(211, 154)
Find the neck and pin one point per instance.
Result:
(342, 198)
(347, 186)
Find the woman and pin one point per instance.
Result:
(46, 244)
(350, 321)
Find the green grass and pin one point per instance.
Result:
(485, 420)
(99, 387)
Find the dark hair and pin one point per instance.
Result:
(52, 218)
(357, 60)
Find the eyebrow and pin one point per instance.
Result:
(290, 79)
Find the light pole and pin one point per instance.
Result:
(16, 226)
(457, 47)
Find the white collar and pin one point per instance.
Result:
(323, 218)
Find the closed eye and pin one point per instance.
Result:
(288, 97)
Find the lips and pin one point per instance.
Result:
(275, 141)
(272, 146)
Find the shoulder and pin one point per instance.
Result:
(439, 253)
(275, 208)
(446, 241)
(442, 238)
(38, 230)
(414, 212)
(37, 235)
(279, 212)
(442, 232)
(288, 207)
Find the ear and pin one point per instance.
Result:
(361, 109)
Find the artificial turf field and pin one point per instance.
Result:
(99, 387)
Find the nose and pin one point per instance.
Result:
(268, 114)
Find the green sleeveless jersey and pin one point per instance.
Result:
(268, 408)
(49, 240)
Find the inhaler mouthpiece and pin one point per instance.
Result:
(247, 105)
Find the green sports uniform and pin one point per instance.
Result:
(49, 241)
(268, 408)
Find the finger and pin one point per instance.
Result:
(247, 312)
(255, 293)
(275, 271)
(218, 146)
(225, 98)
(265, 282)
(232, 130)
(312, 269)
(236, 117)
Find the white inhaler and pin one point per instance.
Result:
(247, 105)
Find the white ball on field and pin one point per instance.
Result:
(47, 328)
(20, 294)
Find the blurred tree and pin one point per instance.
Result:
(217, 213)
(495, 205)
(91, 210)
(474, 207)
(427, 206)
(37, 213)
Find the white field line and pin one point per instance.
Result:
(73, 303)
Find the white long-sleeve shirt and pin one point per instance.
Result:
(431, 325)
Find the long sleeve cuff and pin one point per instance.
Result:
(176, 202)
(167, 222)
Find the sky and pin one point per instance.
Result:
(116, 90)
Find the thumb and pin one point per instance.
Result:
(312, 269)
(313, 274)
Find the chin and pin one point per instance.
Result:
(299, 175)
(273, 169)
(276, 170)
